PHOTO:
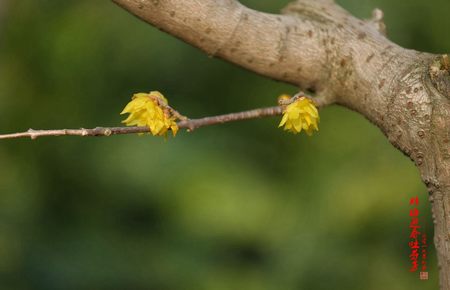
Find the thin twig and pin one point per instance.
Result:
(189, 124)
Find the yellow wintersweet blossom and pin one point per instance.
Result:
(301, 114)
(151, 110)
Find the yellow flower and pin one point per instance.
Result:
(301, 114)
(149, 110)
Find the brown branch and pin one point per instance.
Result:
(192, 124)
(317, 45)
(189, 124)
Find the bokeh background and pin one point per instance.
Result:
(236, 206)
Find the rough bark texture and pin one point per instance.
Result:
(317, 45)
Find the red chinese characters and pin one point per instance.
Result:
(418, 242)
(414, 226)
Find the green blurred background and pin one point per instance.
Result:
(237, 206)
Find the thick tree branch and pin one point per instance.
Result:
(317, 45)
(264, 43)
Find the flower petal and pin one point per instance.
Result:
(300, 115)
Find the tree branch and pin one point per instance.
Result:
(317, 45)
(189, 124)
(185, 123)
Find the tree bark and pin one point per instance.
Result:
(318, 46)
